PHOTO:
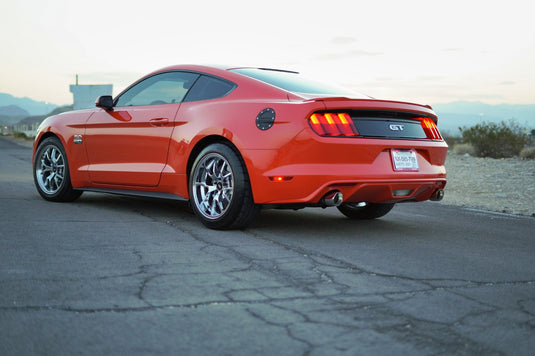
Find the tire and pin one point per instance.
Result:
(365, 211)
(51, 172)
(219, 189)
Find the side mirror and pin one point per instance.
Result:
(105, 102)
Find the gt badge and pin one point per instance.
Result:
(394, 127)
(77, 139)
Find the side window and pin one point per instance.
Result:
(209, 88)
(164, 88)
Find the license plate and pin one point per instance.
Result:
(404, 160)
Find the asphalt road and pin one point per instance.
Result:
(111, 275)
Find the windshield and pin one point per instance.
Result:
(294, 82)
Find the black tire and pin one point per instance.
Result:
(365, 211)
(51, 172)
(219, 189)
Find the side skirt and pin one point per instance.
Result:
(135, 193)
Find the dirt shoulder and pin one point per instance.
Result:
(502, 185)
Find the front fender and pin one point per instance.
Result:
(65, 126)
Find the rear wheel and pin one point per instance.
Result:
(219, 189)
(365, 210)
(51, 172)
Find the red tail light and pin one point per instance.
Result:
(333, 124)
(430, 129)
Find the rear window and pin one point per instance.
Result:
(294, 82)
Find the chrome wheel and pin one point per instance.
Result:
(213, 186)
(50, 170)
(219, 189)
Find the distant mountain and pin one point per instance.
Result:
(36, 119)
(13, 110)
(11, 114)
(33, 107)
(457, 114)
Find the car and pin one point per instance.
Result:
(234, 140)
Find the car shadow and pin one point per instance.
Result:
(305, 222)
(153, 207)
(331, 223)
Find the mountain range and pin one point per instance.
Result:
(457, 114)
(32, 107)
(451, 115)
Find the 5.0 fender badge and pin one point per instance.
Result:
(77, 139)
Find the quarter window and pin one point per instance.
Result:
(207, 88)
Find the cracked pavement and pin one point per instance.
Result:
(119, 275)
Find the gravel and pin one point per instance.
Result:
(502, 185)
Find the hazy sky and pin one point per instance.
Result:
(423, 51)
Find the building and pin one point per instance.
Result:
(84, 96)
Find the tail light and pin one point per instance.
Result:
(430, 129)
(340, 124)
(333, 124)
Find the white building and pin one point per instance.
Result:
(84, 96)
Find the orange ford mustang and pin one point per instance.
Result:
(234, 140)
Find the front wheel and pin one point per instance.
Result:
(51, 172)
(219, 189)
(365, 211)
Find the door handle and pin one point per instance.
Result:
(160, 121)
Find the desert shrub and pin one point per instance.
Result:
(528, 153)
(452, 140)
(464, 148)
(19, 134)
(496, 140)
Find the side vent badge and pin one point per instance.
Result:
(265, 119)
(77, 139)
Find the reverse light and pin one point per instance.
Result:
(333, 124)
(430, 129)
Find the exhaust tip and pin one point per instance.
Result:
(333, 198)
(438, 195)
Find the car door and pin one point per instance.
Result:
(128, 145)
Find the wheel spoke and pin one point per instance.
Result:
(223, 170)
(210, 169)
(57, 179)
(48, 182)
(213, 205)
(205, 188)
(46, 169)
(56, 156)
(46, 157)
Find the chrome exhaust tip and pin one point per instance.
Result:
(438, 195)
(333, 198)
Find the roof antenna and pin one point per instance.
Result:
(76, 79)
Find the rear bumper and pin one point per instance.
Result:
(310, 190)
(364, 173)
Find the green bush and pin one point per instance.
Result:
(496, 140)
